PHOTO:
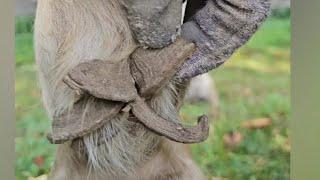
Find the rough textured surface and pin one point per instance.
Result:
(67, 126)
(168, 128)
(71, 32)
(154, 23)
(153, 69)
(218, 29)
(83, 119)
(105, 80)
(108, 83)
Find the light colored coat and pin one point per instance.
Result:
(68, 32)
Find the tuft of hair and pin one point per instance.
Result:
(125, 144)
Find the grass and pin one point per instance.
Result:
(254, 83)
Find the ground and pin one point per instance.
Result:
(253, 85)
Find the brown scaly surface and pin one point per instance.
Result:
(111, 89)
(217, 30)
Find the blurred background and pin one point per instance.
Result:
(248, 100)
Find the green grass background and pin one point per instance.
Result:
(254, 83)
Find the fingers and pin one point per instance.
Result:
(86, 116)
(172, 130)
(111, 85)
(153, 69)
(102, 79)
